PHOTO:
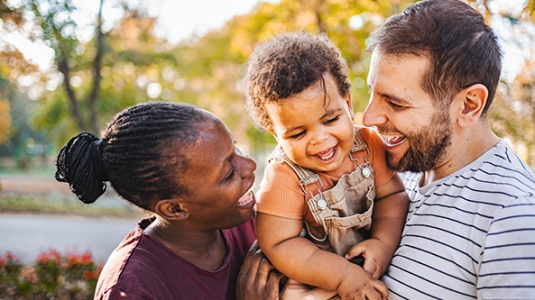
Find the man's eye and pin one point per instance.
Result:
(395, 106)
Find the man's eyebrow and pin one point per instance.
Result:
(397, 99)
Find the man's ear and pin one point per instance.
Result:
(171, 209)
(471, 102)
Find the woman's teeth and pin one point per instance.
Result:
(246, 199)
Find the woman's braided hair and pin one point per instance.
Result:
(141, 154)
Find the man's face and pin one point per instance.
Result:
(417, 134)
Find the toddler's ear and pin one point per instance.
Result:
(350, 106)
(349, 102)
(270, 130)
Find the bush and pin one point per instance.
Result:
(53, 276)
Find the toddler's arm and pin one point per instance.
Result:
(391, 205)
(301, 260)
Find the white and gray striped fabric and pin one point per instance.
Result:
(470, 235)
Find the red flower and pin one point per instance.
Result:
(87, 258)
(49, 255)
(90, 275)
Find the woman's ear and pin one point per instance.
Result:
(171, 209)
(471, 103)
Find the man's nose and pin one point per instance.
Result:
(374, 114)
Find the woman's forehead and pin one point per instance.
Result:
(214, 138)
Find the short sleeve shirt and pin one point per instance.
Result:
(280, 193)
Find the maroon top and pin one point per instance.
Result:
(142, 268)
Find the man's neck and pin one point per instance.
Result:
(466, 147)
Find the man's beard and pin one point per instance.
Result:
(426, 147)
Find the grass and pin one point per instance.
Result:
(30, 203)
(34, 190)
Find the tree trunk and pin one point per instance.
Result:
(97, 76)
(63, 67)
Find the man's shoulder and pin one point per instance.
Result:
(503, 166)
(499, 176)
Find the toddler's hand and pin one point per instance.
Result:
(297, 290)
(377, 256)
(357, 284)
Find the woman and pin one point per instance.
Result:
(178, 163)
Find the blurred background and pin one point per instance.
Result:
(69, 65)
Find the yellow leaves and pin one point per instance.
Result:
(5, 121)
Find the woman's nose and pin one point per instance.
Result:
(248, 166)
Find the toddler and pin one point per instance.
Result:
(327, 195)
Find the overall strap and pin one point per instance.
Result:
(359, 145)
(306, 176)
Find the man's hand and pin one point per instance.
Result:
(257, 279)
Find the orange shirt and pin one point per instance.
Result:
(280, 193)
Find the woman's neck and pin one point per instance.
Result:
(206, 250)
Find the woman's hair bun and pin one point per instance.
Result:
(80, 164)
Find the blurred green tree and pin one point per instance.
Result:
(128, 64)
(113, 70)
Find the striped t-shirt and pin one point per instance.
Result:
(470, 235)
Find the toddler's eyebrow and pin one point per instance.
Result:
(330, 112)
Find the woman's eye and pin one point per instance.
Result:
(229, 176)
(238, 151)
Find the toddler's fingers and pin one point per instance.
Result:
(355, 251)
(371, 268)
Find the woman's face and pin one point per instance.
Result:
(219, 179)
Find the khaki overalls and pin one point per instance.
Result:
(345, 211)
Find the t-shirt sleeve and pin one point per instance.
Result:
(506, 267)
(376, 145)
(280, 193)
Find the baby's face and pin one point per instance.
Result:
(314, 127)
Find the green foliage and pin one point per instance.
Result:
(53, 276)
(206, 71)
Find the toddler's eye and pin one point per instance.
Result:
(332, 120)
(298, 135)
